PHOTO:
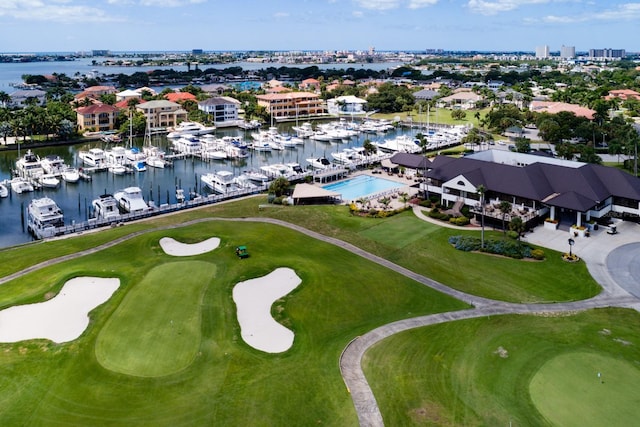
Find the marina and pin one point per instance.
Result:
(179, 185)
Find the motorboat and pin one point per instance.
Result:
(118, 169)
(244, 183)
(295, 168)
(319, 162)
(130, 200)
(21, 185)
(139, 166)
(53, 164)
(180, 195)
(255, 176)
(346, 156)
(188, 144)
(43, 217)
(190, 128)
(4, 191)
(304, 131)
(220, 182)
(400, 144)
(277, 170)
(133, 155)
(321, 135)
(260, 146)
(95, 157)
(29, 165)
(106, 207)
(253, 124)
(49, 180)
(213, 149)
(116, 156)
(155, 157)
(71, 175)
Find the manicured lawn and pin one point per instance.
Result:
(225, 382)
(587, 389)
(480, 371)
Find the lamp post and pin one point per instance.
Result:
(571, 243)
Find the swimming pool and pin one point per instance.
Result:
(361, 186)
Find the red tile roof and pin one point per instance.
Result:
(125, 103)
(96, 109)
(555, 107)
(180, 96)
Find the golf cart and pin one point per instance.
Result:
(242, 252)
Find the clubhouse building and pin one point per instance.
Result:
(538, 187)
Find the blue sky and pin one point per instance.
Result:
(170, 25)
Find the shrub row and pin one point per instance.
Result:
(510, 248)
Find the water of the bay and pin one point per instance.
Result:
(157, 184)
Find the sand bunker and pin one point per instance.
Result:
(174, 248)
(254, 299)
(62, 318)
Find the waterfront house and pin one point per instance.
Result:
(347, 105)
(463, 99)
(97, 117)
(552, 107)
(310, 85)
(20, 98)
(162, 113)
(128, 94)
(94, 92)
(222, 109)
(623, 95)
(180, 97)
(292, 104)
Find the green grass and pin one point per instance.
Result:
(135, 339)
(478, 372)
(587, 389)
(225, 382)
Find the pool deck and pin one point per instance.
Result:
(395, 202)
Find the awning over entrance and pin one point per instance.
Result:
(309, 193)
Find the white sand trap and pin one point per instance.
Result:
(254, 299)
(174, 248)
(62, 318)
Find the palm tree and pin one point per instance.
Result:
(5, 130)
(504, 208)
(481, 189)
(516, 224)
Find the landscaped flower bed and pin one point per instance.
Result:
(510, 248)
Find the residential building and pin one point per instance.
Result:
(346, 105)
(128, 94)
(425, 95)
(310, 84)
(180, 97)
(223, 110)
(94, 92)
(162, 114)
(292, 104)
(607, 53)
(567, 52)
(97, 117)
(623, 94)
(20, 98)
(552, 107)
(542, 52)
(462, 99)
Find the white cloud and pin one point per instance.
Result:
(623, 12)
(357, 14)
(418, 4)
(493, 7)
(281, 15)
(169, 3)
(378, 4)
(53, 11)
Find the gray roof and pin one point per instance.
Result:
(425, 94)
(219, 100)
(578, 189)
(413, 161)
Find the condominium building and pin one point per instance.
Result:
(542, 52)
(607, 53)
(292, 104)
(162, 114)
(567, 52)
(97, 117)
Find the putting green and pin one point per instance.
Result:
(568, 391)
(157, 339)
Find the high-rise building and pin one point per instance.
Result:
(607, 53)
(542, 52)
(567, 52)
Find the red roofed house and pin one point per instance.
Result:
(310, 84)
(556, 107)
(97, 117)
(623, 94)
(292, 104)
(94, 92)
(180, 97)
(124, 104)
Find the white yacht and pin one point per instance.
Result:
(255, 176)
(49, 180)
(190, 128)
(53, 164)
(117, 169)
(277, 170)
(188, 144)
(346, 156)
(43, 216)
(21, 185)
(180, 198)
(155, 157)
(220, 182)
(116, 156)
(400, 144)
(71, 175)
(130, 200)
(95, 157)
(319, 162)
(29, 165)
(304, 131)
(213, 149)
(105, 207)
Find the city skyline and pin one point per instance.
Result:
(412, 25)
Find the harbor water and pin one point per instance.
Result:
(158, 185)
